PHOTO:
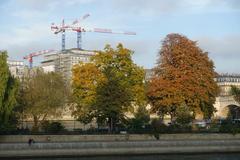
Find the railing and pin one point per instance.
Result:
(216, 127)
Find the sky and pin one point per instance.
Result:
(214, 24)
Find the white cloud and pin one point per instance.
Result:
(37, 9)
(226, 46)
(156, 7)
(49, 4)
(140, 7)
(223, 51)
(24, 35)
(29, 14)
(21, 41)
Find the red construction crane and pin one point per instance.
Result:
(35, 54)
(76, 26)
(79, 30)
(61, 28)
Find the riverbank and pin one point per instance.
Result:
(167, 144)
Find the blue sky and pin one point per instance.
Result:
(215, 24)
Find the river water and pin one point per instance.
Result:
(221, 156)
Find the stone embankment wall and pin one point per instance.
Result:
(94, 145)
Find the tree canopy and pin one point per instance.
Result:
(44, 95)
(8, 91)
(108, 87)
(235, 109)
(184, 75)
(235, 91)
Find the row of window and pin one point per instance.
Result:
(80, 58)
(228, 79)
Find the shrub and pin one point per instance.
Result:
(140, 121)
(176, 128)
(53, 127)
(229, 127)
(7, 129)
(158, 126)
(184, 116)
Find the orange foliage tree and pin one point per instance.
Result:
(184, 75)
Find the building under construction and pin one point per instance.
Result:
(17, 68)
(63, 61)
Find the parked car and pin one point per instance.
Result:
(200, 123)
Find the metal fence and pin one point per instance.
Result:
(69, 125)
(75, 127)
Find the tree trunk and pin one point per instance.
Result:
(109, 125)
(172, 114)
(35, 125)
(171, 117)
(161, 116)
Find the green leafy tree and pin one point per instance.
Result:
(113, 86)
(140, 120)
(44, 95)
(8, 92)
(184, 75)
(184, 116)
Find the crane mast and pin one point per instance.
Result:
(77, 27)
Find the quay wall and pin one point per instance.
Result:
(118, 137)
(96, 145)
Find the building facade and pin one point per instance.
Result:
(16, 68)
(225, 100)
(64, 61)
(148, 74)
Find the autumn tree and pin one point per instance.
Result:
(43, 95)
(108, 87)
(86, 78)
(235, 91)
(8, 92)
(184, 75)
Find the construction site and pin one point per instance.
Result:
(61, 61)
(64, 59)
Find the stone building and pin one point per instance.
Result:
(16, 68)
(225, 103)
